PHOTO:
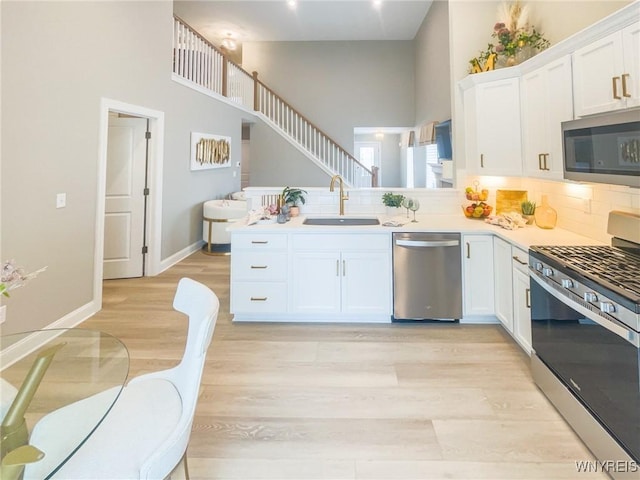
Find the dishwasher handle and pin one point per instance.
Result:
(427, 243)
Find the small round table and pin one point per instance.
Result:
(45, 370)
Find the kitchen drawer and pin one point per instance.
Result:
(259, 266)
(520, 259)
(257, 241)
(259, 297)
(333, 241)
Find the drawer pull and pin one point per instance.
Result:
(258, 299)
(258, 267)
(260, 242)
(517, 259)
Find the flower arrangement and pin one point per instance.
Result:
(515, 36)
(13, 276)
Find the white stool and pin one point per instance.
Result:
(216, 215)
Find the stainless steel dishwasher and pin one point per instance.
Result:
(427, 276)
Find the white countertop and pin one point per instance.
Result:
(522, 237)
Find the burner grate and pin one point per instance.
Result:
(606, 265)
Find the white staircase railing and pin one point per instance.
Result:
(196, 60)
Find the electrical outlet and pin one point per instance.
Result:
(61, 200)
(3, 314)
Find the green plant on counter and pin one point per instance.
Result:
(293, 196)
(528, 208)
(392, 200)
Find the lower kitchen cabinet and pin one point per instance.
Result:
(503, 282)
(521, 300)
(352, 275)
(478, 275)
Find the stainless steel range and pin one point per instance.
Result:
(585, 327)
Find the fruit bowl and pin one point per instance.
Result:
(477, 210)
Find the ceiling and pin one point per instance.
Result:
(310, 20)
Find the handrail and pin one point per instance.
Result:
(201, 62)
(255, 75)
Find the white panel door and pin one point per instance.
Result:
(366, 283)
(124, 202)
(316, 282)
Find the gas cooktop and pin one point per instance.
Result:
(608, 266)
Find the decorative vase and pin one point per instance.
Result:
(529, 218)
(546, 216)
(294, 210)
(393, 211)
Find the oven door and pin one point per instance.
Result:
(595, 358)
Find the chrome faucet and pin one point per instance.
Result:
(343, 197)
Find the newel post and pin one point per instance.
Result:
(256, 99)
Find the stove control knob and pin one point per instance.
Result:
(607, 307)
(567, 283)
(539, 266)
(547, 272)
(590, 297)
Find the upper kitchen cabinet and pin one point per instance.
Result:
(606, 73)
(492, 128)
(547, 101)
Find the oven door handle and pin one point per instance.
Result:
(623, 332)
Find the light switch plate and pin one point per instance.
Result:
(61, 200)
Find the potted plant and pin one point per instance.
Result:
(393, 202)
(528, 209)
(293, 197)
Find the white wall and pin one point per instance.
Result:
(58, 60)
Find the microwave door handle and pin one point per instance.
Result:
(623, 332)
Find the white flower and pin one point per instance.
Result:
(13, 276)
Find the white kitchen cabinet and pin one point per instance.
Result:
(341, 275)
(258, 273)
(478, 275)
(606, 73)
(547, 100)
(521, 300)
(503, 282)
(492, 128)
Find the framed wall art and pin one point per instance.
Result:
(210, 151)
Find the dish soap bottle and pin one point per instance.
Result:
(545, 215)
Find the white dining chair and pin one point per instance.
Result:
(145, 435)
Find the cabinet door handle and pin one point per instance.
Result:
(540, 162)
(615, 87)
(258, 299)
(517, 259)
(546, 157)
(337, 268)
(625, 93)
(258, 266)
(528, 299)
(468, 250)
(261, 242)
(482, 160)
(344, 268)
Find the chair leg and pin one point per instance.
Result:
(174, 473)
(186, 468)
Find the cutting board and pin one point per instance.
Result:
(510, 200)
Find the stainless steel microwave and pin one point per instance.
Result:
(603, 148)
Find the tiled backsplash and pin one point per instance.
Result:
(320, 201)
(582, 208)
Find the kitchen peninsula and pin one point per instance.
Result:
(295, 272)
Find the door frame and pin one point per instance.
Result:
(154, 204)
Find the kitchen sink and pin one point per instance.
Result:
(341, 221)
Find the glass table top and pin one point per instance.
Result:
(47, 370)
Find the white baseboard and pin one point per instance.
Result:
(181, 255)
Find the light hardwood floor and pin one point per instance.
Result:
(326, 401)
